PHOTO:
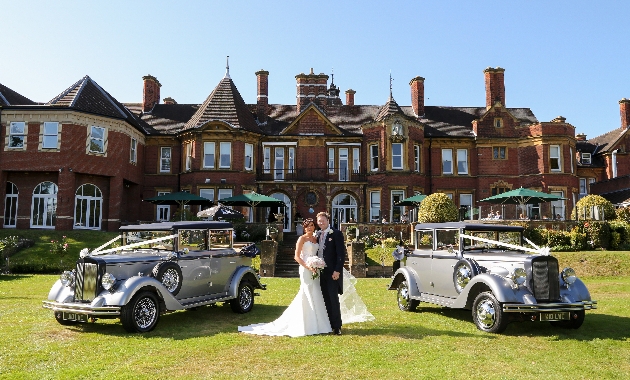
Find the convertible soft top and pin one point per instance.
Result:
(174, 226)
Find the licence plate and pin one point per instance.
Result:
(555, 316)
(75, 317)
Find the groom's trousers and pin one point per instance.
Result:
(330, 291)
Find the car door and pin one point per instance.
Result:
(443, 262)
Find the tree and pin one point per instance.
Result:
(437, 208)
(592, 205)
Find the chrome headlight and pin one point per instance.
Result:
(108, 281)
(518, 276)
(67, 278)
(568, 276)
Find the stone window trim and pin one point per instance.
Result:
(462, 162)
(133, 151)
(248, 160)
(499, 153)
(498, 122)
(447, 162)
(555, 158)
(374, 157)
(209, 155)
(166, 160)
(19, 130)
(397, 156)
(49, 136)
(94, 140)
(416, 158)
(225, 155)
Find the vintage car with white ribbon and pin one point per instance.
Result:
(487, 269)
(157, 268)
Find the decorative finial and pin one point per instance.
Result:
(390, 84)
(227, 67)
(332, 76)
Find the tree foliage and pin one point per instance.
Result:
(585, 208)
(437, 208)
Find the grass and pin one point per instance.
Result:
(431, 343)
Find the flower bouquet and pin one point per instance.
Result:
(316, 263)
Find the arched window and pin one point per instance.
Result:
(44, 206)
(10, 206)
(344, 210)
(87, 207)
(284, 211)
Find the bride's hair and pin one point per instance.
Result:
(307, 222)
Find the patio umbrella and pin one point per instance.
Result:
(180, 198)
(412, 201)
(220, 212)
(252, 200)
(521, 197)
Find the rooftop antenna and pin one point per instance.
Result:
(390, 84)
(332, 80)
(227, 67)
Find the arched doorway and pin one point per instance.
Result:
(88, 200)
(10, 206)
(44, 206)
(286, 210)
(344, 209)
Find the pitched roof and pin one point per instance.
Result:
(86, 95)
(390, 108)
(224, 104)
(607, 141)
(9, 97)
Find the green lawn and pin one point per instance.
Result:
(431, 343)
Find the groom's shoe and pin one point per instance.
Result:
(336, 331)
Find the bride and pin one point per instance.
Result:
(306, 315)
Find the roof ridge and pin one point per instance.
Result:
(108, 96)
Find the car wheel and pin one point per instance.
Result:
(488, 314)
(404, 302)
(464, 271)
(65, 322)
(577, 318)
(141, 314)
(244, 301)
(170, 275)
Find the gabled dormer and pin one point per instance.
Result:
(312, 122)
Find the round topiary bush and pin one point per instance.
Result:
(585, 208)
(437, 208)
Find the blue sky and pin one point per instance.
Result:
(568, 58)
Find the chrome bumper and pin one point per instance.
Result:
(82, 308)
(548, 307)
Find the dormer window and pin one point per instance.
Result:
(586, 158)
(498, 122)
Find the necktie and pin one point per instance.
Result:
(322, 239)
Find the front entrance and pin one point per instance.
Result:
(285, 211)
(344, 210)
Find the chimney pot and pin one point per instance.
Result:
(262, 98)
(417, 95)
(624, 111)
(150, 93)
(495, 86)
(350, 97)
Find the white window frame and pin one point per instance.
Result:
(92, 203)
(278, 164)
(331, 160)
(397, 157)
(447, 161)
(467, 200)
(224, 193)
(571, 158)
(93, 139)
(344, 169)
(267, 159)
(356, 160)
(583, 188)
(394, 195)
(225, 155)
(188, 158)
(249, 157)
(133, 151)
(209, 154)
(559, 205)
(416, 158)
(165, 160)
(50, 140)
(48, 201)
(207, 193)
(20, 134)
(462, 161)
(374, 157)
(11, 206)
(375, 205)
(555, 157)
(163, 212)
(585, 158)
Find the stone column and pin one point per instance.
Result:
(268, 252)
(356, 258)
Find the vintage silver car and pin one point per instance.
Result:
(487, 269)
(160, 267)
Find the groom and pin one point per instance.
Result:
(333, 249)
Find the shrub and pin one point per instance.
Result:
(351, 232)
(537, 236)
(59, 247)
(437, 208)
(597, 234)
(558, 238)
(390, 243)
(623, 214)
(578, 239)
(619, 234)
(584, 208)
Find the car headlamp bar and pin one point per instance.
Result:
(543, 250)
(135, 244)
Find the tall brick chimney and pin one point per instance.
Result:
(495, 86)
(417, 95)
(624, 110)
(262, 96)
(150, 93)
(311, 88)
(350, 97)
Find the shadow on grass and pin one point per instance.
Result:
(13, 277)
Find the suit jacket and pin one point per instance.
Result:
(335, 255)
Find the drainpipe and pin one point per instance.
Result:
(614, 163)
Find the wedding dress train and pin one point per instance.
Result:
(306, 315)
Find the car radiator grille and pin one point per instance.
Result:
(88, 277)
(545, 280)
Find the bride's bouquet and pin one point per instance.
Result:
(316, 263)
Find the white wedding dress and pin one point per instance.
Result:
(306, 315)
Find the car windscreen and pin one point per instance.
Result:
(149, 239)
(491, 239)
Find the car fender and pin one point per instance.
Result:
(499, 286)
(60, 293)
(576, 292)
(238, 275)
(409, 275)
(128, 288)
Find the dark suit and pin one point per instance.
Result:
(334, 256)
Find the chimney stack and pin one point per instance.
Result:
(495, 86)
(311, 88)
(350, 97)
(624, 110)
(169, 100)
(150, 93)
(417, 95)
(580, 137)
(262, 97)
